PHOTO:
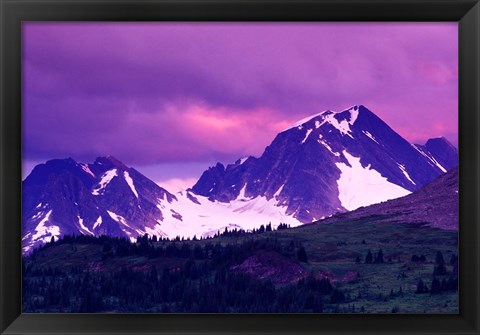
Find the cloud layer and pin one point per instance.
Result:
(183, 92)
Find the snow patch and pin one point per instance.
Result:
(87, 169)
(155, 231)
(299, 123)
(36, 216)
(325, 144)
(431, 158)
(361, 186)
(106, 178)
(44, 233)
(213, 216)
(118, 218)
(353, 114)
(329, 116)
(280, 189)
(402, 168)
(83, 227)
(97, 223)
(342, 126)
(370, 136)
(129, 181)
(309, 131)
(241, 194)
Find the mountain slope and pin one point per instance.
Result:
(436, 204)
(63, 197)
(327, 163)
(104, 198)
(441, 152)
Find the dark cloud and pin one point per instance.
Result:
(177, 92)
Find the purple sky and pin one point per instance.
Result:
(174, 98)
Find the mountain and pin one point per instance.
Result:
(441, 152)
(104, 198)
(64, 197)
(330, 162)
(327, 163)
(435, 204)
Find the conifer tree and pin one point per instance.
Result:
(369, 257)
(302, 255)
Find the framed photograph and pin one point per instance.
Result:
(240, 167)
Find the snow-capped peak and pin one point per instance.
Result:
(354, 111)
(111, 162)
(331, 117)
(301, 122)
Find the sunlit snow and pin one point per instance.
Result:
(402, 168)
(280, 189)
(83, 227)
(243, 159)
(129, 181)
(97, 223)
(309, 131)
(302, 121)
(329, 116)
(118, 218)
(209, 217)
(87, 169)
(361, 186)
(44, 233)
(342, 126)
(370, 136)
(155, 231)
(106, 178)
(433, 160)
(353, 114)
(36, 216)
(325, 144)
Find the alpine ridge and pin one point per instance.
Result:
(330, 162)
(327, 163)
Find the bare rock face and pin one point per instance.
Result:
(443, 152)
(63, 197)
(301, 167)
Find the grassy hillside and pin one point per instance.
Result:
(313, 268)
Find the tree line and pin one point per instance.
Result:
(204, 282)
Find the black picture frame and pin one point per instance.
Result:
(13, 12)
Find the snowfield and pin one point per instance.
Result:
(361, 186)
(206, 218)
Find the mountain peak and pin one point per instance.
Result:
(444, 152)
(110, 162)
(439, 141)
(350, 115)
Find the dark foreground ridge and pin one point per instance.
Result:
(435, 205)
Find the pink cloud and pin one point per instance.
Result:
(437, 73)
(155, 92)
